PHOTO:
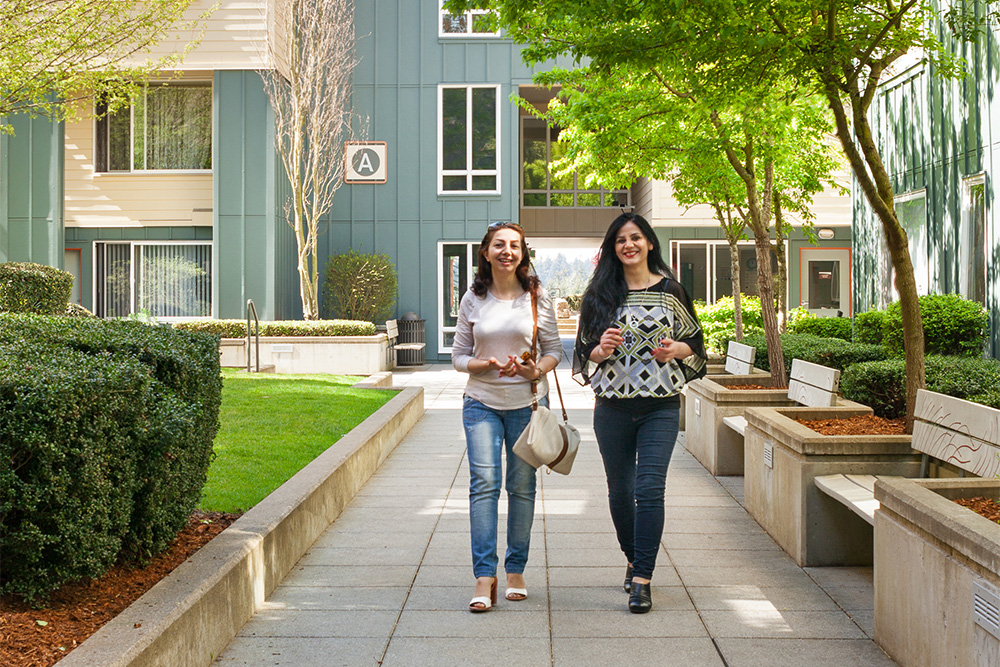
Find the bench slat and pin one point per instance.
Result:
(739, 358)
(737, 423)
(810, 396)
(975, 456)
(979, 421)
(864, 481)
(410, 346)
(857, 498)
(815, 375)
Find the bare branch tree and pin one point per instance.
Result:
(310, 92)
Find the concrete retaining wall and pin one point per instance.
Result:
(338, 355)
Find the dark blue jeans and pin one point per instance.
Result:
(636, 449)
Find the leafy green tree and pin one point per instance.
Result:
(54, 54)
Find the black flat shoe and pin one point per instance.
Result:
(639, 600)
(628, 579)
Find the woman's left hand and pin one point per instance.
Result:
(526, 368)
(671, 349)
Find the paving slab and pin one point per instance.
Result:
(390, 580)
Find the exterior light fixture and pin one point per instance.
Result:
(826, 233)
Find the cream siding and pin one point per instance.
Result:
(232, 37)
(129, 200)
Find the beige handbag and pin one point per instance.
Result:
(546, 441)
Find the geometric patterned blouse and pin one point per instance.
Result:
(648, 316)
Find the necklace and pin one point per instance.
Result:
(629, 315)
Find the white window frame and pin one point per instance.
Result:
(468, 172)
(131, 112)
(968, 183)
(577, 190)
(710, 248)
(469, 17)
(471, 247)
(132, 269)
(924, 262)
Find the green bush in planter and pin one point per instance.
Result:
(361, 286)
(868, 327)
(882, 385)
(26, 287)
(833, 352)
(953, 325)
(238, 328)
(718, 321)
(106, 430)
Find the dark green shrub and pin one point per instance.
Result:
(361, 286)
(148, 443)
(824, 327)
(953, 325)
(868, 327)
(76, 310)
(34, 288)
(882, 385)
(833, 352)
(719, 325)
(238, 328)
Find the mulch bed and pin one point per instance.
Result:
(986, 507)
(751, 386)
(40, 637)
(860, 425)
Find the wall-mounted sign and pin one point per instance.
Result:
(364, 162)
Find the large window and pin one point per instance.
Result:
(167, 128)
(474, 23)
(911, 210)
(456, 266)
(705, 269)
(542, 187)
(972, 242)
(468, 139)
(165, 280)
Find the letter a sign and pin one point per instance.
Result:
(364, 162)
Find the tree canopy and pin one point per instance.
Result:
(57, 51)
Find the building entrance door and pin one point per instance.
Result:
(825, 281)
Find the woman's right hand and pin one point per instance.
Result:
(610, 340)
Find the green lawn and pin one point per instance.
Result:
(273, 425)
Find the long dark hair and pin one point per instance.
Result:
(607, 288)
(484, 273)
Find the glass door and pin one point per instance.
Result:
(456, 266)
(825, 281)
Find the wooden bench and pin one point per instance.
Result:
(739, 358)
(809, 385)
(392, 333)
(961, 433)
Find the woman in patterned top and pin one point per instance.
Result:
(638, 342)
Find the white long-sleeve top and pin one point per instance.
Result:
(492, 327)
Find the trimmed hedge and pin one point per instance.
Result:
(238, 328)
(718, 321)
(106, 430)
(26, 287)
(833, 352)
(824, 327)
(882, 385)
(953, 325)
(868, 327)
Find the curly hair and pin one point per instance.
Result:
(484, 273)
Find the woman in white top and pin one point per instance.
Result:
(493, 345)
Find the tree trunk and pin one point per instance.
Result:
(878, 191)
(781, 280)
(734, 260)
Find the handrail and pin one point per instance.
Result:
(253, 309)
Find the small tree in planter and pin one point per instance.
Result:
(361, 286)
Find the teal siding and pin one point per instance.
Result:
(31, 191)
(933, 133)
(401, 63)
(250, 245)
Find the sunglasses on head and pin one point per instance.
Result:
(501, 223)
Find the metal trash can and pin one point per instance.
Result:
(412, 343)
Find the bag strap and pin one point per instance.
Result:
(534, 355)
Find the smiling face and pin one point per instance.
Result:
(504, 252)
(631, 246)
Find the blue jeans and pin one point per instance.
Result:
(489, 432)
(636, 449)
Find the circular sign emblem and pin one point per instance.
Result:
(365, 162)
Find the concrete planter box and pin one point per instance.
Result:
(711, 399)
(340, 355)
(935, 562)
(782, 459)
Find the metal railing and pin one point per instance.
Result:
(253, 309)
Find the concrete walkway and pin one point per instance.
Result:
(389, 582)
